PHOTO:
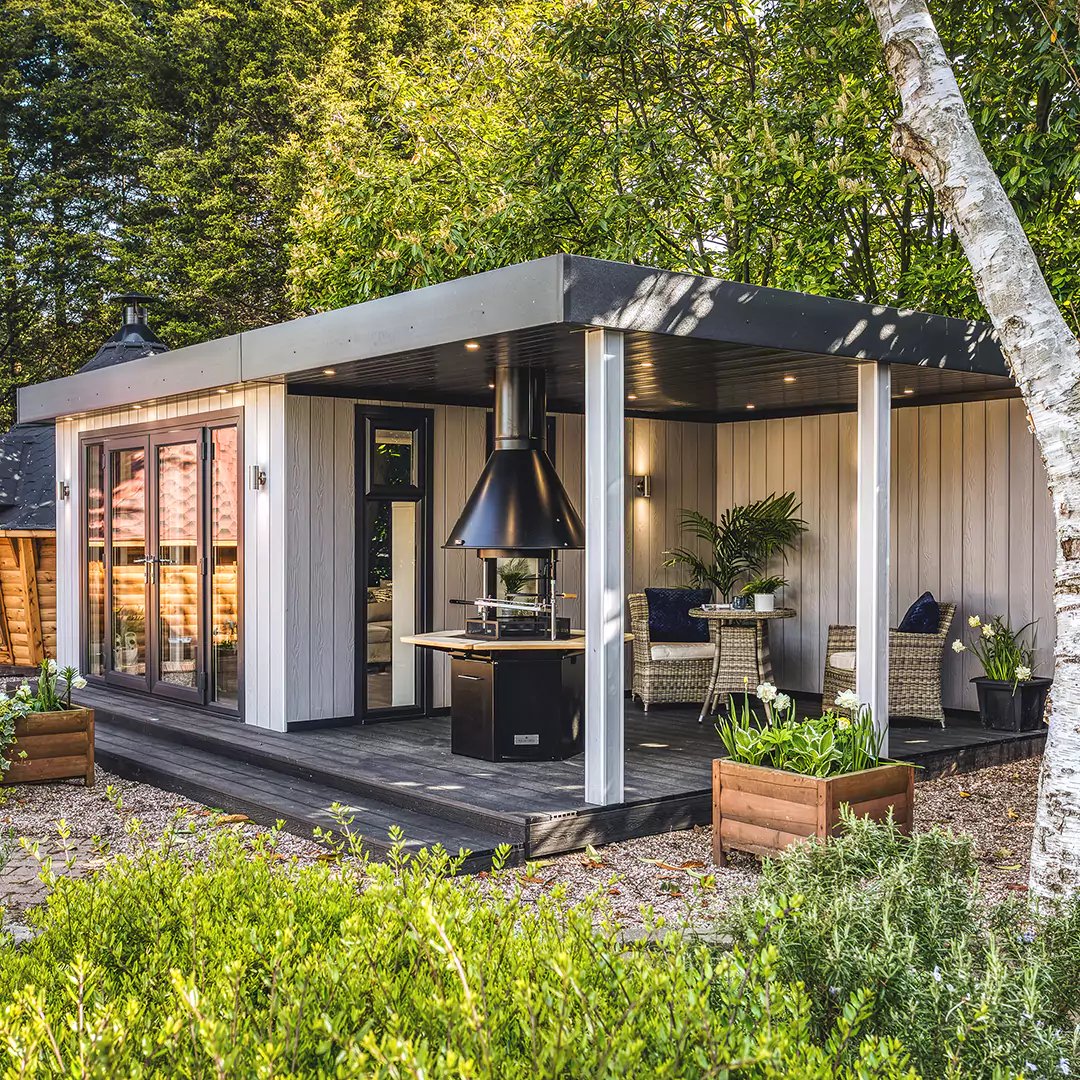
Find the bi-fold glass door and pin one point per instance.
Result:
(162, 549)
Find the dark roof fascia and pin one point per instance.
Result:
(621, 296)
(568, 290)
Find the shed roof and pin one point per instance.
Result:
(28, 477)
(696, 346)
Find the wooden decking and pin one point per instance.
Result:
(402, 773)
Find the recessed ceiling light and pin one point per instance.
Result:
(631, 397)
(789, 378)
(223, 390)
(751, 405)
(908, 390)
(491, 386)
(646, 363)
(329, 371)
(472, 346)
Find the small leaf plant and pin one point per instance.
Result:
(839, 741)
(1001, 651)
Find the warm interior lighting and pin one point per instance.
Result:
(491, 386)
(751, 405)
(646, 363)
(329, 371)
(472, 346)
(789, 378)
(909, 390)
(631, 397)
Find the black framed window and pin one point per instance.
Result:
(393, 560)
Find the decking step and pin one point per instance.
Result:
(268, 795)
(287, 755)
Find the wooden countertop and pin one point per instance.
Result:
(457, 641)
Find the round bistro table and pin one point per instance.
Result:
(741, 656)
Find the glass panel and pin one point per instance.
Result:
(127, 508)
(225, 566)
(393, 458)
(391, 604)
(95, 561)
(178, 563)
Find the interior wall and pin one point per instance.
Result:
(970, 520)
(320, 584)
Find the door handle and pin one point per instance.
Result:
(470, 678)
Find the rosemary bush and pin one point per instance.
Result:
(972, 990)
(243, 965)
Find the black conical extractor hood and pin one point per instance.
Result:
(519, 503)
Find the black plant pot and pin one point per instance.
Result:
(1003, 709)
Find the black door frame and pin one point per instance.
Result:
(422, 421)
(148, 434)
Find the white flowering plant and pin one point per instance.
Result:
(1003, 653)
(53, 693)
(839, 741)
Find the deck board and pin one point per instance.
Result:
(404, 772)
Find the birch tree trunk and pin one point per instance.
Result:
(935, 135)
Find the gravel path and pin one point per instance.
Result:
(670, 873)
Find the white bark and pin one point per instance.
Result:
(935, 135)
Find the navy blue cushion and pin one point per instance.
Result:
(923, 617)
(668, 614)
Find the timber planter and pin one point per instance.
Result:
(52, 746)
(763, 810)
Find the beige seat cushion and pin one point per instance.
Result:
(683, 650)
(842, 661)
(378, 632)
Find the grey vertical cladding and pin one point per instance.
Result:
(970, 520)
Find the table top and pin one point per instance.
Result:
(745, 614)
(458, 641)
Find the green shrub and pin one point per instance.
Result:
(238, 964)
(971, 989)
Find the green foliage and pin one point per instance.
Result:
(829, 745)
(973, 990)
(240, 965)
(515, 574)
(746, 141)
(742, 542)
(1001, 650)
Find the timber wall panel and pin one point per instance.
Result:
(971, 521)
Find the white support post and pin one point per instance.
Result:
(872, 545)
(604, 572)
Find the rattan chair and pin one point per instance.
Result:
(914, 669)
(667, 681)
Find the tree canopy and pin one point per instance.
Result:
(251, 161)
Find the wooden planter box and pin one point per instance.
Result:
(763, 810)
(57, 745)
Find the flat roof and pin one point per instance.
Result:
(695, 347)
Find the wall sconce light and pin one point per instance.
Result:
(642, 486)
(257, 477)
(63, 490)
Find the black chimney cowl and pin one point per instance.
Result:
(134, 338)
(519, 503)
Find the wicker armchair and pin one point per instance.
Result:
(914, 669)
(667, 681)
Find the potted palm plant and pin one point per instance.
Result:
(739, 544)
(1011, 697)
(784, 780)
